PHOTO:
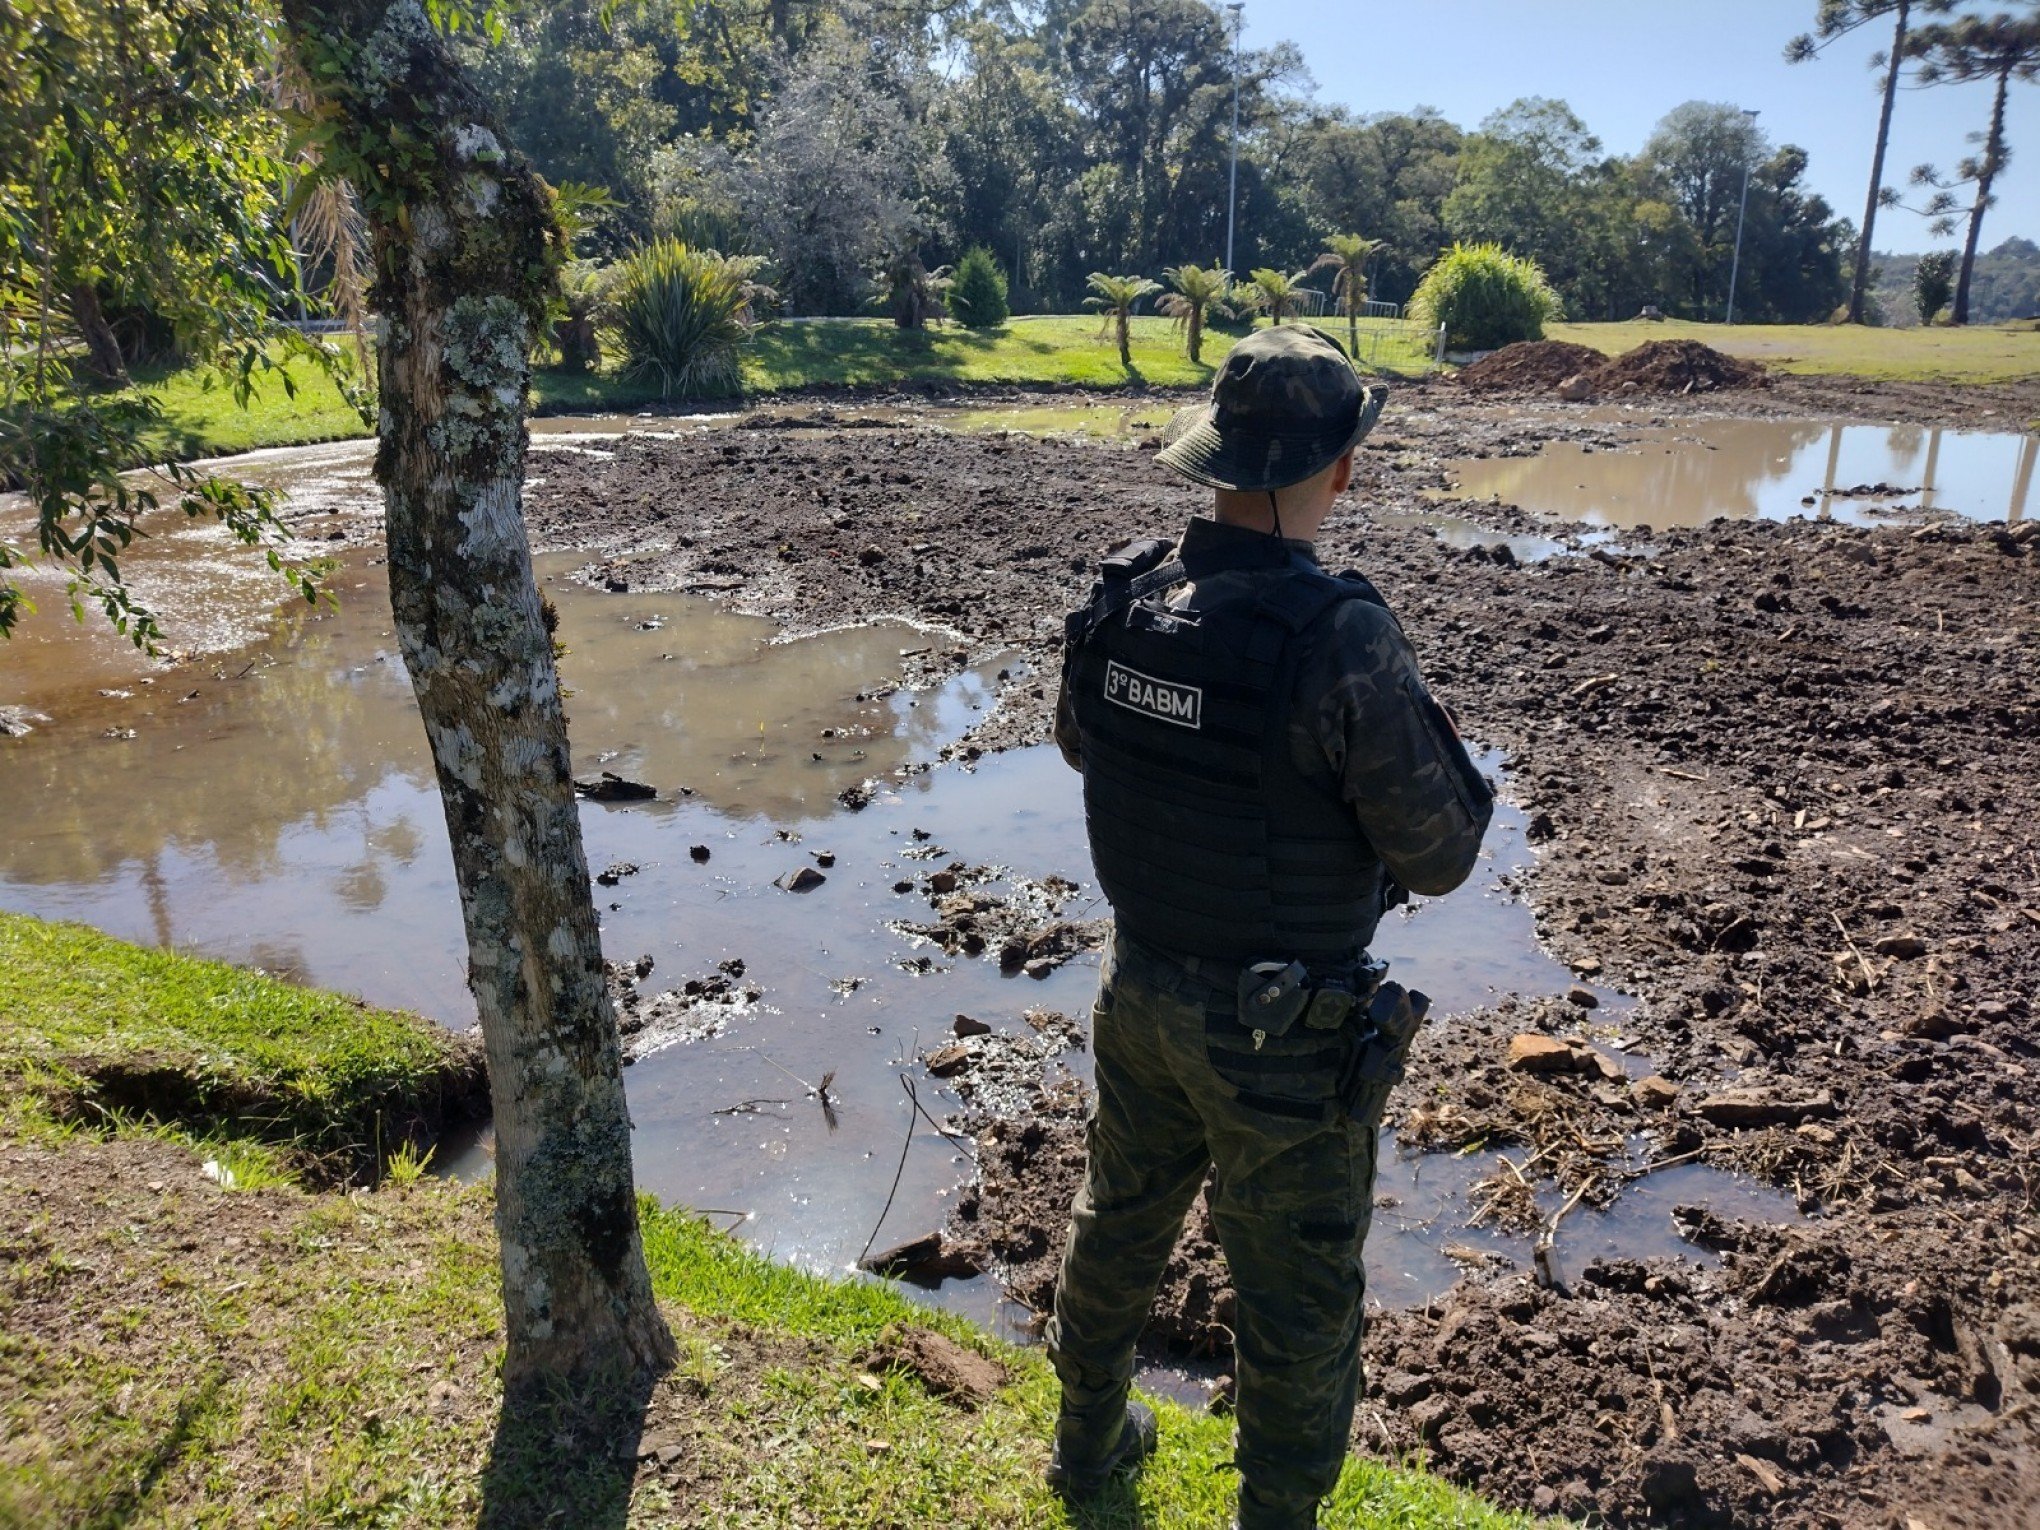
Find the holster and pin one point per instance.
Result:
(1394, 1015)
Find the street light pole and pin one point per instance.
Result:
(1232, 193)
(1735, 266)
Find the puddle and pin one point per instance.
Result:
(1774, 469)
(276, 807)
(1456, 532)
(1100, 421)
(1423, 1199)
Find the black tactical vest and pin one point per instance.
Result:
(1207, 837)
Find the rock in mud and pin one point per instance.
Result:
(1530, 1053)
(1764, 1107)
(1655, 1091)
(928, 1259)
(616, 872)
(15, 721)
(948, 1061)
(697, 853)
(801, 879)
(940, 1364)
(610, 787)
(967, 1027)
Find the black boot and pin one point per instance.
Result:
(1075, 1471)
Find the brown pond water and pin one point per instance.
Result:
(1685, 474)
(270, 802)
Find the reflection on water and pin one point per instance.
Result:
(1774, 469)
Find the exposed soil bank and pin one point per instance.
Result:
(1783, 775)
(96, 1030)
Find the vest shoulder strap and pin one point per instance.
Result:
(1130, 574)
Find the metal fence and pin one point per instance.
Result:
(1383, 340)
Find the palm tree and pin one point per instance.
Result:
(1199, 289)
(1346, 257)
(1114, 297)
(1274, 293)
(2001, 48)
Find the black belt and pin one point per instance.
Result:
(1279, 994)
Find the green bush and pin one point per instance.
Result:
(1486, 298)
(1933, 283)
(977, 293)
(681, 315)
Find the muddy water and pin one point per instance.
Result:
(275, 806)
(1774, 469)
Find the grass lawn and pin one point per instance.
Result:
(201, 418)
(1982, 353)
(176, 1352)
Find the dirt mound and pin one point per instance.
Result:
(1678, 366)
(1530, 364)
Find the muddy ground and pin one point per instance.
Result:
(1783, 782)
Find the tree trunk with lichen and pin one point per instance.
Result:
(467, 254)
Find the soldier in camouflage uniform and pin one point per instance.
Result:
(1264, 774)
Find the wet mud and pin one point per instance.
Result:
(1780, 777)
(1766, 1094)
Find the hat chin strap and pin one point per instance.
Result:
(1275, 510)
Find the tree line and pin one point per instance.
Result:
(1069, 138)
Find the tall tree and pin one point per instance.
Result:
(843, 172)
(1698, 155)
(1521, 185)
(2001, 49)
(1838, 19)
(1388, 174)
(467, 250)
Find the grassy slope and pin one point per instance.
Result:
(1979, 354)
(171, 1353)
(143, 1029)
(202, 418)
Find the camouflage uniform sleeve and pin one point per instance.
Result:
(1399, 761)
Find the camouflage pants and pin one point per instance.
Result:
(1291, 1201)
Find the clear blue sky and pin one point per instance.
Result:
(1622, 64)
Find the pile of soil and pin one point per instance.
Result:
(1780, 776)
(1677, 366)
(1531, 365)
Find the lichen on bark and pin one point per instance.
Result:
(468, 252)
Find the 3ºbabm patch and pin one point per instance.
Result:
(1169, 701)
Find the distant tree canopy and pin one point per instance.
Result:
(1071, 136)
(843, 140)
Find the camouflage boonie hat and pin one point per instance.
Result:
(1286, 404)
